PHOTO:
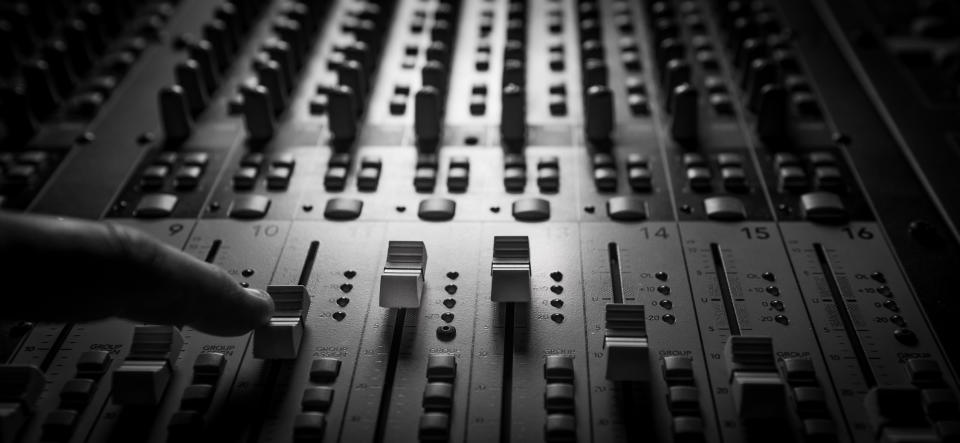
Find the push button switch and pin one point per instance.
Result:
(684, 400)
(434, 426)
(317, 399)
(197, 397)
(155, 206)
(559, 397)
(437, 209)
(678, 370)
(309, 427)
(324, 370)
(824, 207)
(93, 364)
(441, 367)
(76, 393)
(343, 208)
(438, 396)
(560, 428)
(558, 368)
(724, 209)
(531, 209)
(249, 207)
(627, 209)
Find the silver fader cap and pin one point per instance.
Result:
(625, 343)
(143, 377)
(280, 338)
(511, 269)
(401, 283)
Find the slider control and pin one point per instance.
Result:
(401, 284)
(686, 115)
(258, 112)
(758, 391)
(625, 343)
(280, 338)
(427, 116)
(20, 388)
(513, 127)
(511, 269)
(143, 377)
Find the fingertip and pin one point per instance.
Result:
(263, 303)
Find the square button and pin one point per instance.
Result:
(441, 367)
(678, 370)
(548, 179)
(694, 160)
(822, 159)
(640, 179)
(438, 396)
(729, 159)
(602, 160)
(558, 368)
(783, 159)
(434, 426)
(924, 372)
(437, 209)
(684, 400)
(425, 179)
(531, 209)
(188, 177)
(427, 160)
(724, 209)
(811, 401)
(368, 178)
(278, 177)
(196, 397)
(734, 178)
(559, 397)
(245, 178)
(828, 177)
(687, 429)
(560, 428)
(324, 370)
(637, 160)
(249, 207)
(317, 399)
(59, 424)
(335, 179)
(799, 371)
(309, 426)
(93, 364)
(153, 176)
(283, 160)
(699, 178)
(371, 161)
(552, 162)
(792, 178)
(155, 206)
(208, 366)
(199, 159)
(605, 179)
(457, 179)
(76, 393)
(515, 179)
(165, 158)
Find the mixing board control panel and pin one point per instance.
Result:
(493, 220)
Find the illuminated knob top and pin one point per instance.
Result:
(427, 115)
(258, 112)
(511, 269)
(686, 113)
(401, 283)
(342, 116)
(599, 118)
(175, 113)
(513, 123)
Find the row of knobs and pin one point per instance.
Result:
(434, 76)
(47, 48)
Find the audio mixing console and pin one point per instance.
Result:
(501, 220)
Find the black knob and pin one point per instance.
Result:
(599, 113)
(175, 113)
(190, 79)
(342, 116)
(686, 113)
(258, 112)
